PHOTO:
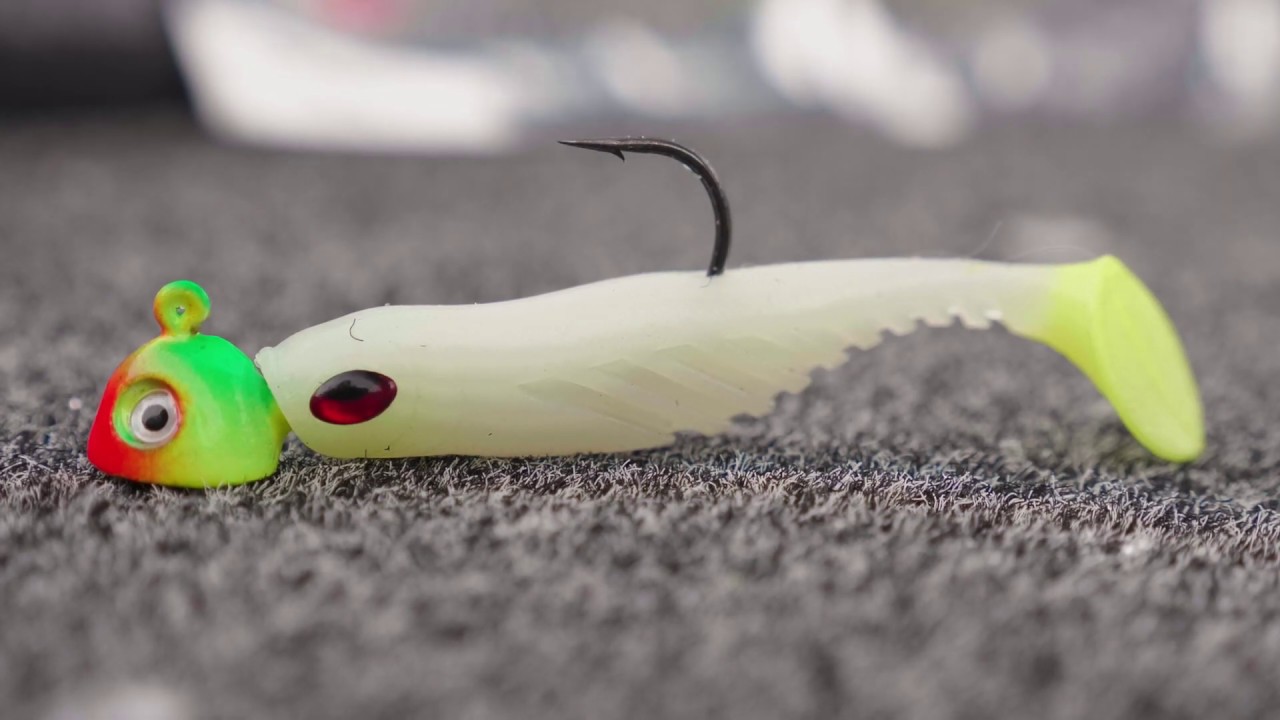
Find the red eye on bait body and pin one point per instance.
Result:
(353, 397)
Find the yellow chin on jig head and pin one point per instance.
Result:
(612, 366)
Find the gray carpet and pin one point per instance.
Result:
(951, 525)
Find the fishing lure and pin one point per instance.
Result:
(612, 366)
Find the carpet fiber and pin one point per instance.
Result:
(953, 524)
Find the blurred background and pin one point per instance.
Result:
(303, 159)
(464, 76)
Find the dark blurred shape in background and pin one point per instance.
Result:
(483, 75)
(57, 53)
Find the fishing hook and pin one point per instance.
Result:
(693, 162)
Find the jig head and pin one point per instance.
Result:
(187, 409)
(611, 366)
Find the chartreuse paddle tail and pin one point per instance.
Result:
(612, 366)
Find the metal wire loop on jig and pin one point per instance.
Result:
(695, 164)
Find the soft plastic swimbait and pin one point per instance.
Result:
(611, 366)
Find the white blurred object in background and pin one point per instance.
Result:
(852, 57)
(1241, 47)
(265, 76)
(480, 76)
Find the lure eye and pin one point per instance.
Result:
(353, 397)
(154, 420)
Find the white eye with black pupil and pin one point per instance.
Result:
(155, 418)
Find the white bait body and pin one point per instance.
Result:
(624, 364)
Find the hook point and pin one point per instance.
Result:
(597, 145)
